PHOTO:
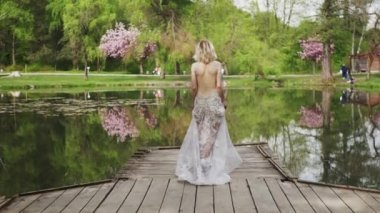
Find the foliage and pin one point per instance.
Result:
(119, 42)
(312, 49)
(66, 34)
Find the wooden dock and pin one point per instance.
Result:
(147, 184)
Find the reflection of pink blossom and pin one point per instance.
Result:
(311, 117)
(149, 118)
(159, 93)
(116, 123)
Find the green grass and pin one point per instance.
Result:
(48, 82)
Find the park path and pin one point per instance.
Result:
(146, 183)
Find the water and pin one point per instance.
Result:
(51, 140)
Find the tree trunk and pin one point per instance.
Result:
(361, 39)
(177, 100)
(141, 68)
(291, 7)
(177, 68)
(326, 107)
(98, 63)
(13, 50)
(326, 64)
(85, 70)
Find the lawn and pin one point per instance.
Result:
(71, 81)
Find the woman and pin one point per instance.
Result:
(207, 155)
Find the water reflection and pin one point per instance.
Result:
(117, 122)
(344, 150)
(50, 140)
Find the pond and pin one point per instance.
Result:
(56, 139)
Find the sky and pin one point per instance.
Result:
(309, 10)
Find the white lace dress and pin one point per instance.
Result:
(207, 155)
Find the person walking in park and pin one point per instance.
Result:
(346, 74)
(207, 155)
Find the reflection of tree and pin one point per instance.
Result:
(345, 150)
(326, 107)
(311, 117)
(44, 152)
(149, 118)
(375, 122)
(177, 100)
(117, 123)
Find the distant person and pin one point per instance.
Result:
(157, 70)
(344, 71)
(346, 74)
(207, 155)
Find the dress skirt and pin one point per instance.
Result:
(207, 155)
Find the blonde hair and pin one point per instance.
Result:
(204, 52)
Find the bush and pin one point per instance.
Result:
(39, 67)
(14, 68)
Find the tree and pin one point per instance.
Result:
(313, 49)
(82, 23)
(119, 42)
(329, 15)
(18, 22)
(122, 43)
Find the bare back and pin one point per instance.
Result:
(206, 78)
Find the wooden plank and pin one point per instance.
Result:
(295, 197)
(352, 200)
(369, 200)
(173, 196)
(313, 198)
(331, 200)
(43, 201)
(20, 203)
(245, 175)
(257, 174)
(278, 195)
(241, 197)
(81, 200)
(204, 200)
(376, 196)
(171, 167)
(171, 171)
(155, 196)
(188, 198)
(66, 197)
(2, 199)
(174, 160)
(261, 196)
(98, 197)
(116, 197)
(222, 199)
(136, 196)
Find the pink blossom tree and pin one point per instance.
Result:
(124, 43)
(119, 42)
(312, 49)
(116, 122)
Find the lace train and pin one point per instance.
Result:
(207, 154)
